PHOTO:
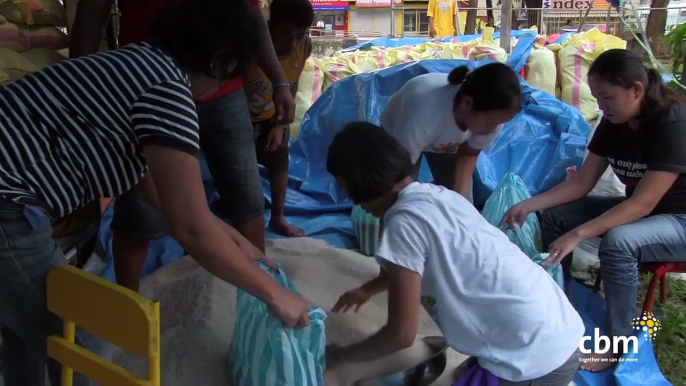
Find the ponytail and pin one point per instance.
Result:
(657, 98)
(458, 75)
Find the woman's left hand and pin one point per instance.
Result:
(562, 247)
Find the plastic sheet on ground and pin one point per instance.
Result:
(636, 369)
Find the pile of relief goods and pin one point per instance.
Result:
(558, 69)
(31, 36)
(320, 73)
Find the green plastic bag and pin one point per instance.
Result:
(510, 191)
(554, 270)
(367, 230)
(265, 353)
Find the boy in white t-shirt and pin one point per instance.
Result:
(489, 299)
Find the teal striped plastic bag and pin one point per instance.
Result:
(554, 270)
(510, 191)
(367, 230)
(265, 353)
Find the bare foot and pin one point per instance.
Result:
(596, 363)
(282, 227)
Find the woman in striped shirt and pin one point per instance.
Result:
(95, 127)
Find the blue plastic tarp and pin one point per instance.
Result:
(399, 42)
(545, 138)
(635, 369)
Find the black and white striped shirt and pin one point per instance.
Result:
(73, 132)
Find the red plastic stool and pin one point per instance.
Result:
(659, 271)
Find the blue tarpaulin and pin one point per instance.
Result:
(399, 42)
(634, 369)
(545, 138)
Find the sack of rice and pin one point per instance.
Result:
(21, 37)
(4, 78)
(15, 65)
(541, 69)
(43, 57)
(43, 12)
(485, 48)
(578, 52)
(310, 87)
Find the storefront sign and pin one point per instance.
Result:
(574, 5)
(373, 3)
(329, 5)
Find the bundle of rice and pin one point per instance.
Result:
(30, 36)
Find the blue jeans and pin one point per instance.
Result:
(228, 145)
(658, 238)
(27, 254)
(562, 376)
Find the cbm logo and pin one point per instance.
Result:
(647, 326)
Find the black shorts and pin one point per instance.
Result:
(135, 216)
(274, 160)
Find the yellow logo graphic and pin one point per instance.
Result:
(648, 324)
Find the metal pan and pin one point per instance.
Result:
(422, 374)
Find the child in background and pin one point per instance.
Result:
(441, 14)
(289, 25)
(491, 301)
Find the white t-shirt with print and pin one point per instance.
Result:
(420, 116)
(491, 301)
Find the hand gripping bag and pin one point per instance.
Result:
(265, 353)
(510, 191)
(554, 270)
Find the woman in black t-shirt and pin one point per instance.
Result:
(642, 136)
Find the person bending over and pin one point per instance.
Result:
(450, 118)
(226, 131)
(96, 126)
(489, 299)
(289, 25)
(642, 136)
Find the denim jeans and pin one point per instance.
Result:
(658, 238)
(228, 145)
(562, 376)
(27, 254)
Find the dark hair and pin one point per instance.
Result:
(297, 12)
(369, 159)
(494, 86)
(208, 36)
(623, 68)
